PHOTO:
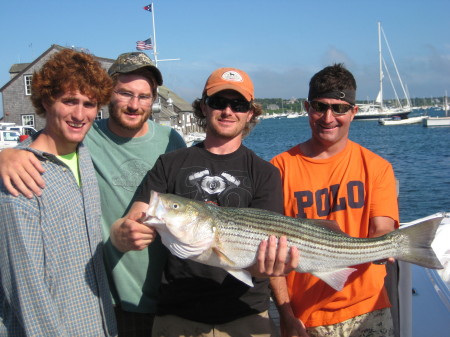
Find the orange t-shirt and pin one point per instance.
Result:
(350, 188)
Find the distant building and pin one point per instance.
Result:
(273, 107)
(169, 108)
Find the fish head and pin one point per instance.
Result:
(182, 224)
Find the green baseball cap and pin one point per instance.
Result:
(128, 62)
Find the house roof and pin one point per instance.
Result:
(26, 66)
(167, 113)
(18, 67)
(180, 103)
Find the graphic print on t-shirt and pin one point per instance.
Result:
(223, 188)
(130, 173)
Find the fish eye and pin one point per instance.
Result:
(175, 206)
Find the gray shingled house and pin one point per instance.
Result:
(171, 109)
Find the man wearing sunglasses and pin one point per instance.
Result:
(200, 300)
(330, 177)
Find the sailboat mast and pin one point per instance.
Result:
(380, 94)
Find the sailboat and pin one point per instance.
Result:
(377, 109)
(439, 121)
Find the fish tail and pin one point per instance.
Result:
(417, 247)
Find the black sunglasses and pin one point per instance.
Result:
(220, 103)
(337, 109)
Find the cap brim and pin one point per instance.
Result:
(133, 68)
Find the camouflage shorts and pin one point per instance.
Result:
(373, 324)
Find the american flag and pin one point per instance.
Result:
(144, 45)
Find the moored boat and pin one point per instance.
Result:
(439, 121)
(404, 121)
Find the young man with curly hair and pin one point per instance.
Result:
(53, 281)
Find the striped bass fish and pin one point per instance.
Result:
(229, 238)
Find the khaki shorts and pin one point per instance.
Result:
(254, 325)
(373, 324)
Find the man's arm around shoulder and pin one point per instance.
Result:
(21, 172)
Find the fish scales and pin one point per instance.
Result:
(229, 238)
(255, 221)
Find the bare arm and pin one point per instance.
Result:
(379, 226)
(128, 233)
(21, 172)
(290, 325)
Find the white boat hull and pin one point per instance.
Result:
(410, 120)
(376, 111)
(437, 121)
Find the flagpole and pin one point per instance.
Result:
(155, 54)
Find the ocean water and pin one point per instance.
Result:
(420, 156)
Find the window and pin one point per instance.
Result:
(27, 81)
(28, 120)
(99, 114)
(11, 136)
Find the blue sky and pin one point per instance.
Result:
(281, 44)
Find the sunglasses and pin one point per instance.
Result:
(337, 109)
(220, 103)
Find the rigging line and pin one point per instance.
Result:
(395, 66)
(392, 84)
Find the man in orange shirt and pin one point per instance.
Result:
(331, 177)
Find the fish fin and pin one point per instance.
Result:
(223, 257)
(335, 278)
(242, 275)
(417, 248)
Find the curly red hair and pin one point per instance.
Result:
(69, 71)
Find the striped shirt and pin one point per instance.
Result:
(52, 276)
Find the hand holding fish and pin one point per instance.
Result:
(130, 234)
(274, 258)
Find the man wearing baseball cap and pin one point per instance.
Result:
(196, 299)
(123, 148)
